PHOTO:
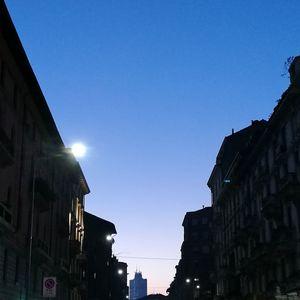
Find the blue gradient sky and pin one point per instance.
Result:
(152, 87)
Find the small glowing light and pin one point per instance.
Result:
(127, 297)
(196, 279)
(78, 150)
(120, 272)
(188, 280)
(109, 237)
(198, 286)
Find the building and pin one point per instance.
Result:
(192, 278)
(255, 188)
(104, 275)
(42, 190)
(118, 277)
(137, 287)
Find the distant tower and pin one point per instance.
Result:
(137, 287)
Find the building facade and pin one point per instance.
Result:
(192, 278)
(137, 287)
(255, 188)
(42, 190)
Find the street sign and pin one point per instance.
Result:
(49, 287)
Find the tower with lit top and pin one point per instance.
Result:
(137, 287)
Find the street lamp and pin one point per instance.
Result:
(120, 272)
(110, 238)
(77, 151)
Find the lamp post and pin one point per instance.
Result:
(78, 150)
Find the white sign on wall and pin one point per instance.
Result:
(49, 287)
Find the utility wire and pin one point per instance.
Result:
(149, 258)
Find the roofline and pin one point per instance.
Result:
(14, 44)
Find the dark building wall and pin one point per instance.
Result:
(105, 276)
(255, 207)
(192, 278)
(39, 180)
(99, 253)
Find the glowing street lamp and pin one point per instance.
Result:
(109, 238)
(188, 280)
(120, 271)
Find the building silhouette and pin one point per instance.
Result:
(255, 188)
(105, 276)
(42, 186)
(255, 226)
(192, 278)
(137, 287)
(42, 192)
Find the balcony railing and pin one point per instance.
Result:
(6, 149)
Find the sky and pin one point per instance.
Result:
(152, 87)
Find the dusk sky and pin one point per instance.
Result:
(152, 87)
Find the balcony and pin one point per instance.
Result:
(271, 208)
(6, 149)
(43, 194)
(289, 186)
(75, 247)
(40, 252)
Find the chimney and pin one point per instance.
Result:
(294, 71)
